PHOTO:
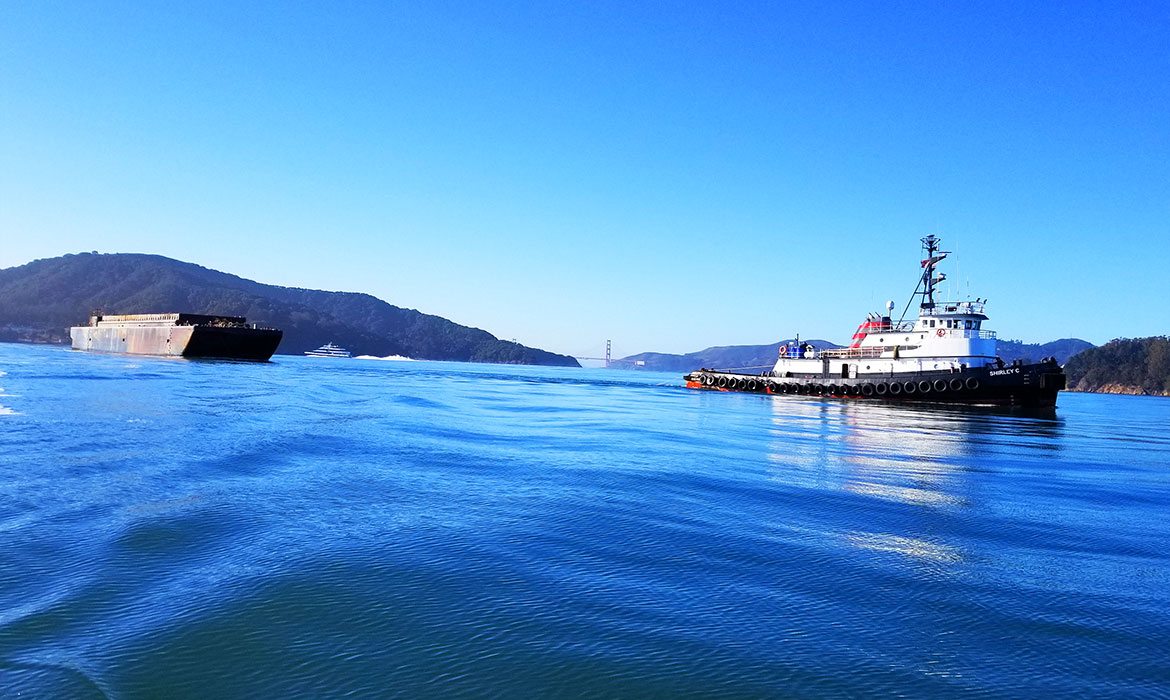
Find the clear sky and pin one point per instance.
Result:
(671, 176)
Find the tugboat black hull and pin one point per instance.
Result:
(1034, 385)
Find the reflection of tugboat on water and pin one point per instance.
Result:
(328, 350)
(945, 355)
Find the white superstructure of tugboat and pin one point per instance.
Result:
(329, 350)
(944, 355)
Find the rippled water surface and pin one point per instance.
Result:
(330, 528)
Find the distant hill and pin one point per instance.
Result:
(751, 358)
(40, 300)
(757, 358)
(1061, 349)
(1123, 366)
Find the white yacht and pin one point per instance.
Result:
(328, 350)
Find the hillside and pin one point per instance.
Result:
(752, 358)
(1123, 366)
(40, 300)
(1062, 349)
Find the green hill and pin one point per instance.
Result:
(1123, 366)
(40, 300)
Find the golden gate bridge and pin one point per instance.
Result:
(610, 362)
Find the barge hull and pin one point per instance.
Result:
(177, 335)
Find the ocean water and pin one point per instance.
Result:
(352, 528)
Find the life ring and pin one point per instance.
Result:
(895, 388)
(867, 389)
(882, 388)
(941, 332)
(940, 385)
(909, 387)
(956, 384)
(783, 350)
(972, 383)
(924, 386)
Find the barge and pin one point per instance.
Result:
(177, 335)
(945, 355)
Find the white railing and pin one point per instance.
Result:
(854, 353)
(963, 333)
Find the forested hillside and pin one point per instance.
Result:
(1123, 366)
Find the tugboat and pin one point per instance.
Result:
(328, 350)
(944, 356)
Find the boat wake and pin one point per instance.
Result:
(395, 358)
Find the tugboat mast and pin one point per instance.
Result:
(926, 282)
(933, 257)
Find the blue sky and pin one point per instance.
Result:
(671, 176)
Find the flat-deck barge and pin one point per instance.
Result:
(176, 335)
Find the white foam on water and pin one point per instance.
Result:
(392, 358)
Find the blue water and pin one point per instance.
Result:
(356, 528)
